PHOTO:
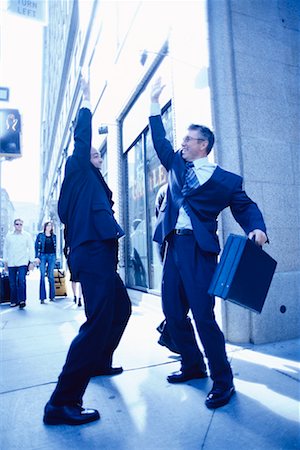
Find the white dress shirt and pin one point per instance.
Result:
(203, 170)
(18, 249)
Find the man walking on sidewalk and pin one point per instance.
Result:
(85, 208)
(18, 255)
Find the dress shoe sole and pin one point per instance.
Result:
(222, 402)
(179, 379)
(108, 373)
(69, 421)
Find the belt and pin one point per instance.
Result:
(182, 231)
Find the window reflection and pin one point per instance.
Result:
(143, 262)
(137, 264)
(103, 152)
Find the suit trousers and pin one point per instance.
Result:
(188, 270)
(107, 308)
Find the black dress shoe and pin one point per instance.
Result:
(182, 376)
(70, 415)
(108, 371)
(219, 396)
(164, 341)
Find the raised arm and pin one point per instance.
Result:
(162, 145)
(83, 128)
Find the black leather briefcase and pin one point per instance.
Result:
(244, 273)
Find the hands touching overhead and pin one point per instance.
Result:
(85, 87)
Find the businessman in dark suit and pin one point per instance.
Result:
(85, 208)
(165, 339)
(197, 192)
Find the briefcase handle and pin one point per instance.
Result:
(253, 240)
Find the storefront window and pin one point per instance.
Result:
(103, 152)
(156, 178)
(137, 250)
(143, 261)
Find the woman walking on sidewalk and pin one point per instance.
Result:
(45, 257)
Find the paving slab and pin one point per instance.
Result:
(139, 408)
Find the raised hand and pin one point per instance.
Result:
(156, 90)
(85, 87)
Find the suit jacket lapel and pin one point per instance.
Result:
(215, 175)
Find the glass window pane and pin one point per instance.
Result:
(137, 254)
(103, 151)
(156, 177)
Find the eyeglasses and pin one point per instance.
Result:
(190, 138)
(18, 224)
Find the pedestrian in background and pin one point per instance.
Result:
(76, 287)
(85, 208)
(198, 191)
(45, 257)
(74, 282)
(159, 199)
(18, 256)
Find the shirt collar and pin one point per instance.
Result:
(200, 162)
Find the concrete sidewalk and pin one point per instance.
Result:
(139, 408)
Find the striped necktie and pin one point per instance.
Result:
(191, 180)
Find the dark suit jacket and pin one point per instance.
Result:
(85, 202)
(205, 203)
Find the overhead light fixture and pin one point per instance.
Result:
(143, 58)
(103, 129)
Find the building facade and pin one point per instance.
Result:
(28, 212)
(7, 211)
(212, 57)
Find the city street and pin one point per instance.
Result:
(139, 408)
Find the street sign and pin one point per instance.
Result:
(35, 10)
(10, 129)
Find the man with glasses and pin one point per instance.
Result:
(18, 255)
(198, 191)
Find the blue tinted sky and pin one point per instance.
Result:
(20, 70)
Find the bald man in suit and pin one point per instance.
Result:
(85, 208)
